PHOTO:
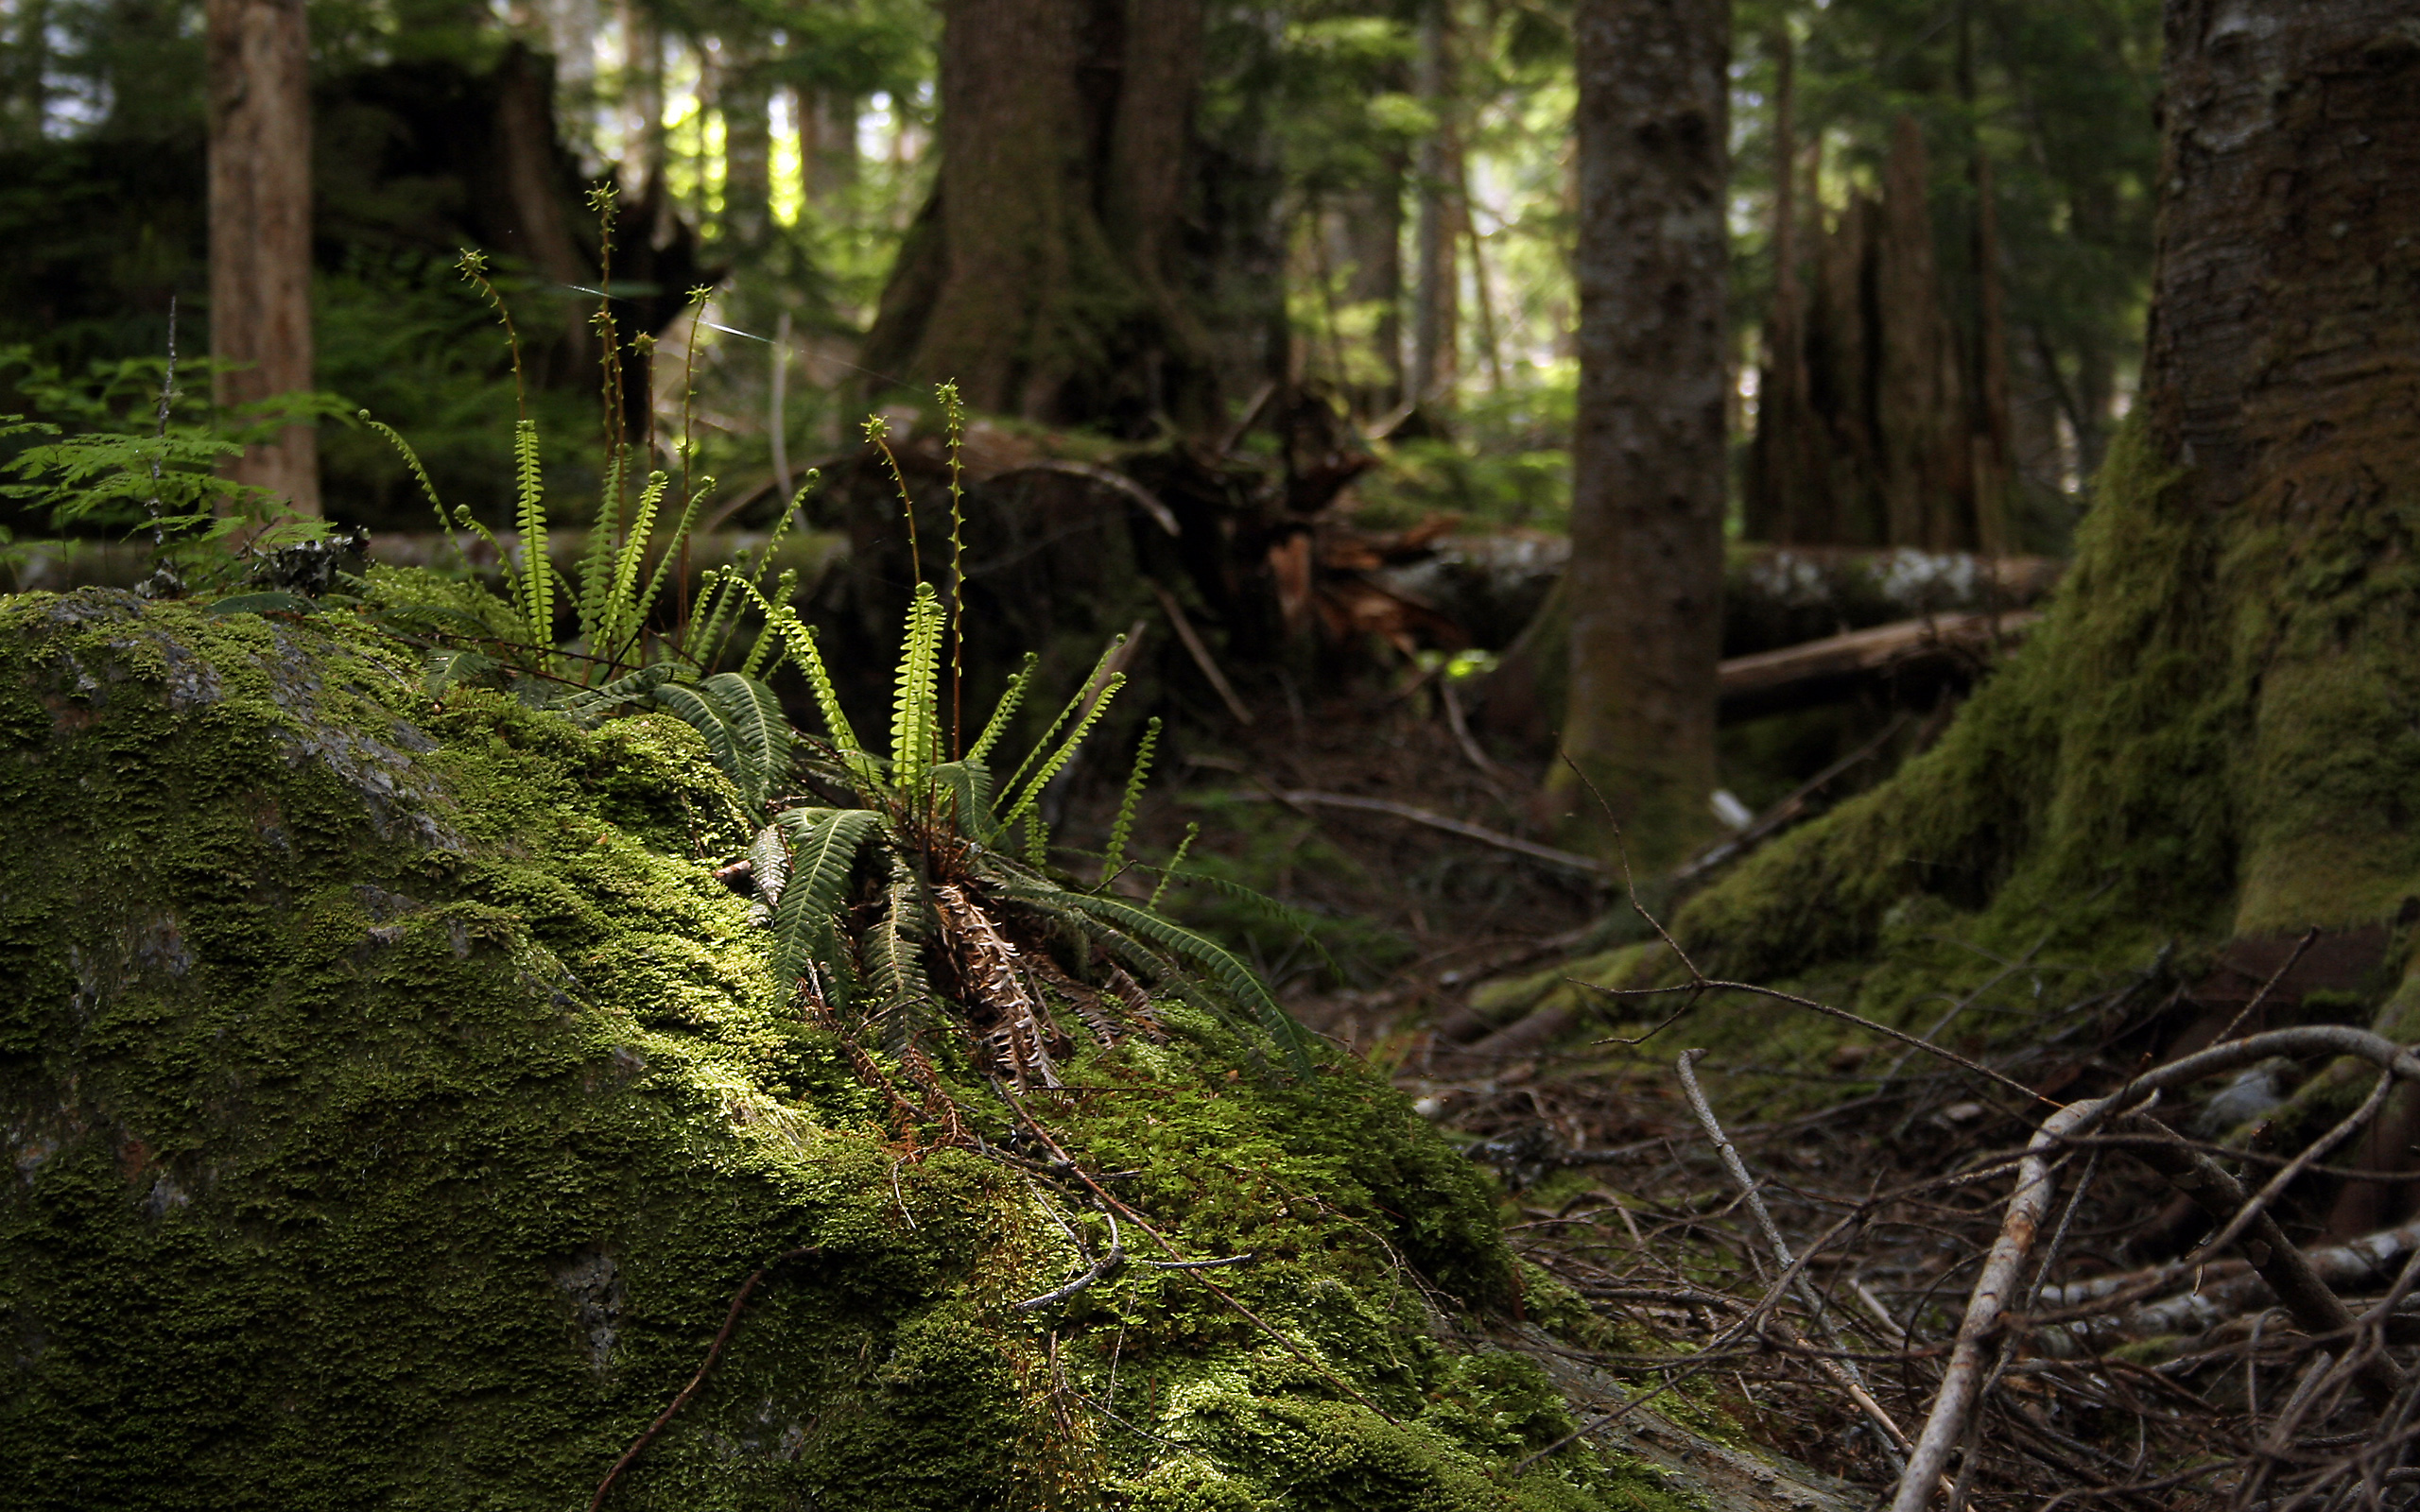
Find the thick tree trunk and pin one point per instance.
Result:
(260, 229)
(1043, 277)
(1648, 459)
(1886, 421)
(2212, 732)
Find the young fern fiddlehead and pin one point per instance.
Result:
(1123, 829)
(1032, 793)
(1011, 698)
(536, 578)
(1167, 873)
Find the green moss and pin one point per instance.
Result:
(2212, 731)
(395, 1103)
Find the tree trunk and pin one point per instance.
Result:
(1787, 500)
(827, 143)
(2211, 733)
(746, 102)
(1648, 459)
(260, 229)
(1045, 276)
(1374, 239)
(1433, 292)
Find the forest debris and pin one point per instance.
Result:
(1306, 798)
(1191, 637)
(1117, 483)
(1960, 1382)
(1795, 676)
(1785, 813)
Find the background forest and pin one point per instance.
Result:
(1384, 194)
(1582, 504)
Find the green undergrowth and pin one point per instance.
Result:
(395, 1103)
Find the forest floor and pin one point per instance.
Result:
(1883, 1175)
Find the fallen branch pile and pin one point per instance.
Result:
(1956, 1318)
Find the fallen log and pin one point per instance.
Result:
(1937, 648)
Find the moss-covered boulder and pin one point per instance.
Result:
(394, 1104)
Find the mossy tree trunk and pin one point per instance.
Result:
(2217, 730)
(1043, 276)
(1650, 474)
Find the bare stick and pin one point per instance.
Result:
(1304, 798)
(2266, 988)
(1945, 1423)
(1843, 1372)
(1487, 765)
(1200, 654)
(731, 1321)
(2285, 1267)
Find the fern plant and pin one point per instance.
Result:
(902, 908)
(909, 899)
(615, 654)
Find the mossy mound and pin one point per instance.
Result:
(395, 1102)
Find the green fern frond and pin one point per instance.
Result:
(620, 614)
(760, 735)
(768, 866)
(596, 564)
(636, 625)
(1167, 874)
(1067, 750)
(966, 787)
(823, 846)
(1122, 828)
(767, 639)
(1092, 680)
(718, 595)
(411, 461)
(1284, 914)
(450, 666)
(1221, 969)
(800, 637)
(536, 583)
(895, 965)
(722, 743)
(1011, 698)
(914, 705)
(1037, 841)
(587, 703)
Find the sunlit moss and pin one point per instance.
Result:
(395, 1102)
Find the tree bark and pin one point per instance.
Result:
(1648, 458)
(1374, 239)
(746, 102)
(1434, 281)
(260, 229)
(1044, 276)
(2212, 731)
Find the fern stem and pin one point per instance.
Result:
(1011, 698)
(1123, 829)
(878, 433)
(1092, 680)
(954, 418)
(1032, 793)
(1167, 873)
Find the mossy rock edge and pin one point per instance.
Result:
(395, 1103)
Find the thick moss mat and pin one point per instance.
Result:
(393, 1104)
